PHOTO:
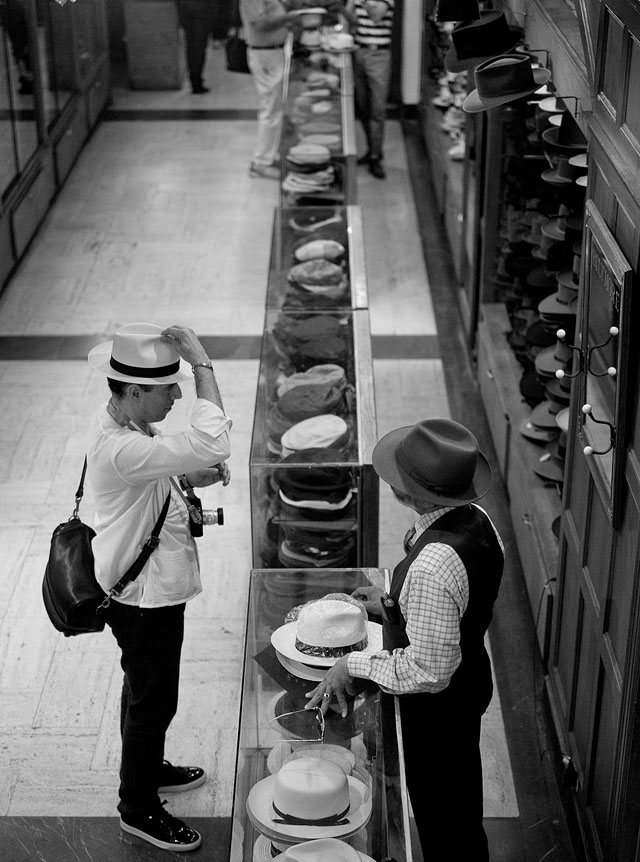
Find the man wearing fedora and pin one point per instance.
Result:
(434, 622)
(131, 468)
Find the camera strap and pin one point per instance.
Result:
(192, 502)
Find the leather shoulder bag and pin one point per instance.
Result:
(74, 600)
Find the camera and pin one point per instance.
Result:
(199, 517)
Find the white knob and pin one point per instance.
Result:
(586, 409)
(559, 373)
(613, 330)
(611, 371)
(561, 334)
(588, 450)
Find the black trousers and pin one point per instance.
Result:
(441, 742)
(150, 641)
(195, 19)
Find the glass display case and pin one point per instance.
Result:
(19, 123)
(275, 730)
(317, 259)
(314, 494)
(318, 146)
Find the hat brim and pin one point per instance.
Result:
(283, 640)
(338, 754)
(475, 103)
(454, 63)
(550, 136)
(300, 670)
(385, 464)
(260, 811)
(100, 358)
(262, 849)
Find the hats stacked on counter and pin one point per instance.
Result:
(305, 340)
(309, 169)
(310, 507)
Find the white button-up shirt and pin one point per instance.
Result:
(129, 475)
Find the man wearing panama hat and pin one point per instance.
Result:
(434, 621)
(131, 469)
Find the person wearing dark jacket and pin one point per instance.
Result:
(435, 618)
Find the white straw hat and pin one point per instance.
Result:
(137, 355)
(309, 798)
(323, 850)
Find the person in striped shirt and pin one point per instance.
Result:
(371, 24)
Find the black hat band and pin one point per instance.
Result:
(136, 371)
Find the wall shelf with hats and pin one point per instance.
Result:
(314, 494)
(318, 145)
(317, 259)
(287, 755)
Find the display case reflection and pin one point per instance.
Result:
(18, 129)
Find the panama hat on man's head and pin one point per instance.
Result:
(436, 460)
(138, 355)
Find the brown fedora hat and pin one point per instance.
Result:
(503, 79)
(475, 41)
(436, 459)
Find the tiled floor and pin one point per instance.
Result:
(159, 220)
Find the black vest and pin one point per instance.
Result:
(469, 532)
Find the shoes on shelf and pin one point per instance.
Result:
(177, 779)
(200, 88)
(457, 152)
(375, 168)
(269, 172)
(162, 830)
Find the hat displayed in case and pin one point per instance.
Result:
(324, 850)
(309, 798)
(321, 431)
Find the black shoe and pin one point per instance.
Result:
(375, 168)
(200, 89)
(162, 829)
(364, 160)
(175, 779)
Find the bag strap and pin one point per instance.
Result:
(80, 491)
(147, 549)
(134, 570)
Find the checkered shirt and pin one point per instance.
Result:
(433, 599)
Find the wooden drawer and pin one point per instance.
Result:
(31, 208)
(97, 96)
(70, 143)
(534, 566)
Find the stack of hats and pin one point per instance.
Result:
(304, 401)
(306, 340)
(318, 278)
(309, 169)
